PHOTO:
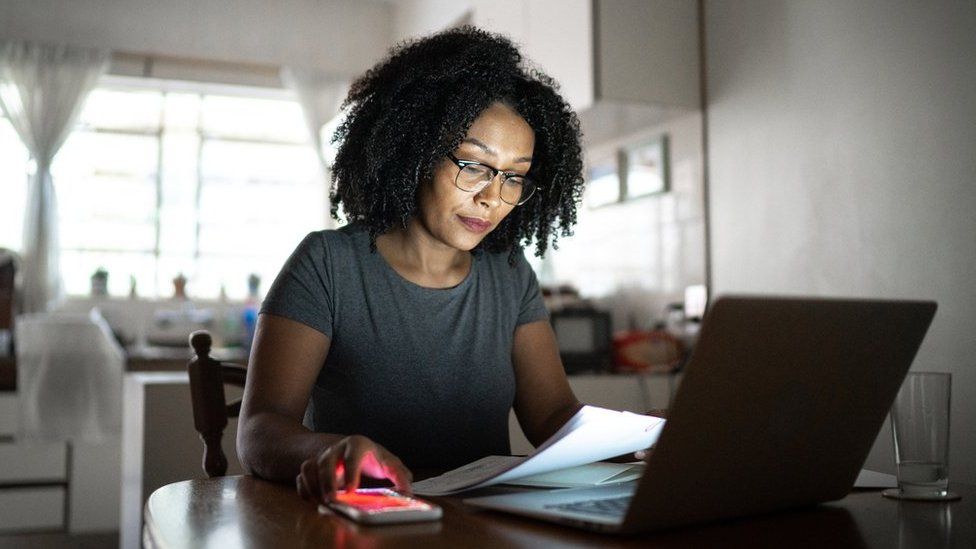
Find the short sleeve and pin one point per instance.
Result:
(531, 307)
(303, 289)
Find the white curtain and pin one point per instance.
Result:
(42, 89)
(320, 95)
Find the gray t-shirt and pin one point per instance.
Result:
(425, 372)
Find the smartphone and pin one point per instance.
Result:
(383, 506)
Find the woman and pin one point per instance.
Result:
(403, 339)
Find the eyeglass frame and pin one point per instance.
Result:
(461, 164)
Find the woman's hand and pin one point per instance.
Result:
(340, 465)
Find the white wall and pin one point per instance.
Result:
(343, 37)
(841, 162)
(412, 18)
(647, 51)
(556, 35)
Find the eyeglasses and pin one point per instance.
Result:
(474, 177)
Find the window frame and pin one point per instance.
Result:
(204, 136)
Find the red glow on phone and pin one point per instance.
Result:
(371, 501)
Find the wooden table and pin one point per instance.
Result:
(241, 511)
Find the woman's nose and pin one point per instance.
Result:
(491, 195)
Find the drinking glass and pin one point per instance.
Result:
(920, 427)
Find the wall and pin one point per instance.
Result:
(343, 37)
(840, 162)
(624, 50)
(413, 18)
(648, 51)
(554, 34)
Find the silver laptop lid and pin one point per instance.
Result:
(779, 406)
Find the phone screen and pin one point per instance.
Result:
(379, 499)
(382, 505)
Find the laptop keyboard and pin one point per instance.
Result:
(613, 507)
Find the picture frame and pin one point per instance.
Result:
(603, 185)
(646, 169)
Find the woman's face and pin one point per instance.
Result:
(499, 138)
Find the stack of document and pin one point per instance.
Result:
(593, 434)
(600, 473)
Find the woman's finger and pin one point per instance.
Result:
(343, 464)
(307, 480)
(300, 487)
(398, 473)
(353, 463)
(376, 461)
(327, 466)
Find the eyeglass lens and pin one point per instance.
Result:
(515, 188)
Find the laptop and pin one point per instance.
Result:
(780, 404)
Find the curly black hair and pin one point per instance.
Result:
(408, 112)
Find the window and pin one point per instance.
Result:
(612, 248)
(161, 178)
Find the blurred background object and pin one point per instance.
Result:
(70, 376)
(8, 273)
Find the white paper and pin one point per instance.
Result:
(591, 474)
(592, 434)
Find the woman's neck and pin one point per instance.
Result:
(420, 258)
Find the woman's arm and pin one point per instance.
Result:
(543, 399)
(272, 443)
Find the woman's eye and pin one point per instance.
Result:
(474, 170)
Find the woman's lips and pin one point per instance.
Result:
(474, 224)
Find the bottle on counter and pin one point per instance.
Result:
(249, 315)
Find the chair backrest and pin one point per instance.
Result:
(7, 301)
(210, 407)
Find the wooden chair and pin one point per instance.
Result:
(7, 309)
(210, 407)
(8, 366)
